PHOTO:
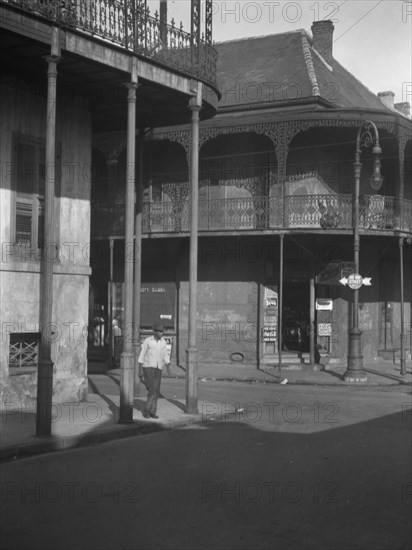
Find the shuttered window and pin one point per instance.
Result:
(29, 162)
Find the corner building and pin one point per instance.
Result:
(276, 173)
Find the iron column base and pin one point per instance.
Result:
(355, 372)
(191, 381)
(126, 387)
(44, 397)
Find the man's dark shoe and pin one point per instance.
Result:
(146, 415)
(154, 416)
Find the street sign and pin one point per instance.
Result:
(355, 281)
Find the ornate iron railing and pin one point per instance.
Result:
(327, 212)
(128, 24)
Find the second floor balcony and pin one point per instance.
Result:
(129, 24)
(256, 214)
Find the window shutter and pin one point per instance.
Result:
(24, 215)
(40, 226)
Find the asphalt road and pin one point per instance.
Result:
(296, 467)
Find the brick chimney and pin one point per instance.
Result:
(322, 32)
(404, 108)
(387, 98)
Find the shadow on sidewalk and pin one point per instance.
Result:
(399, 378)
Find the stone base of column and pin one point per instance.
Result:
(191, 381)
(126, 387)
(44, 397)
(355, 372)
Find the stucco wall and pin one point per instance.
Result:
(25, 114)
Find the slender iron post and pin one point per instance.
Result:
(192, 352)
(127, 358)
(138, 263)
(45, 369)
(280, 313)
(403, 362)
(111, 340)
(312, 322)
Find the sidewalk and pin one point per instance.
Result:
(91, 422)
(378, 372)
(96, 420)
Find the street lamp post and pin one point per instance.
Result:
(367, 135)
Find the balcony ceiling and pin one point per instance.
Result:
(22, 62)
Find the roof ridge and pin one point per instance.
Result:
(309, 65)
(245, 38)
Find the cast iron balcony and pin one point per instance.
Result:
(306, 212)
(128, 24)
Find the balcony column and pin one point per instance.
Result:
(110, 328)
(403, 359)
(280, 311)
(282, 151)
(195, 31)
(312, 320)
(195, 105)
(127, 358)
(400, 194)
(138, 264)
(45, 369)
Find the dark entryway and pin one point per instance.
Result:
(295, 329)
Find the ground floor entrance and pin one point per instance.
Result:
(247, 315)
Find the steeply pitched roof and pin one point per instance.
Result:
(284, 67)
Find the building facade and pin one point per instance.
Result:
(276, 198)
(71, 70)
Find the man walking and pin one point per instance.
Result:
(152, 359)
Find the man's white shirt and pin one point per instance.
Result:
(153, 353)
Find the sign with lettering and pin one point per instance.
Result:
(157, 304)
(333, 273)
(324, 304)
(269, 328)
(269, 333)
(324, 329)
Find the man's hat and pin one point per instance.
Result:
(158, 328)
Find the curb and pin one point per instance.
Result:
(307, 382)
(293, 382)
(135, 428)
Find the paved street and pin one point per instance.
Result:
(270, 466)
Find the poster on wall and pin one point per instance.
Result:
(269, 333)
(270, 316)
(324, 329)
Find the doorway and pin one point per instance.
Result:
(295, 329)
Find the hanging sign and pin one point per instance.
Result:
(333, 272)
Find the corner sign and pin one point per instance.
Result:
(355, 281)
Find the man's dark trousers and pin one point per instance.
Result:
(152, 379)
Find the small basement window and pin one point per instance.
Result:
(23, 352)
